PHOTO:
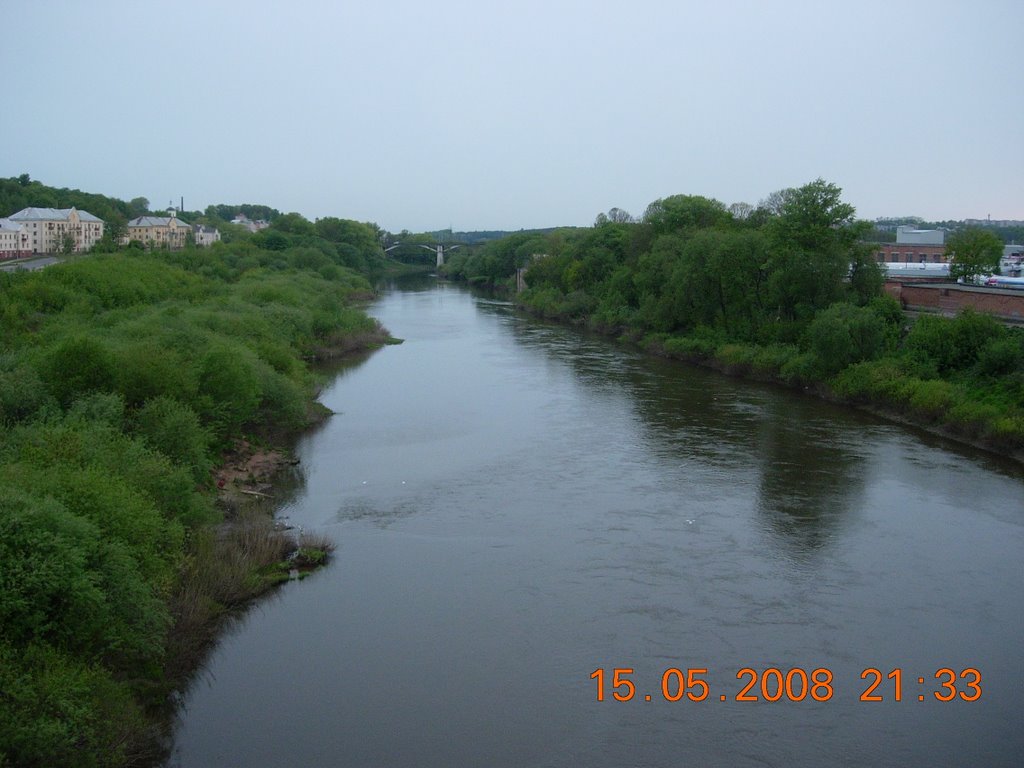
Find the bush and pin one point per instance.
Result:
(78, 366)
(932, 399)
(1000, 357)
(174, 429)
(971, 332)
(22, 394)
(952, 345)
(878, 380)
(800, 369)
(773, 358)
(59, 711)
(99, 407)
(737, 358)
(150, 370)
(844, 334)
(229, 391)
(283, 401)
(974, 417)
(693, 347)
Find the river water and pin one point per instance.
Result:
(517, 505)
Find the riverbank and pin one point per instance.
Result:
(143, 402)
(924, 420)
(246, 555)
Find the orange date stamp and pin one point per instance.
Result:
(794, 684)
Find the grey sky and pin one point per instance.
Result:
(508, 115)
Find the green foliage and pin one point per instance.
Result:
(175, 430)
(866, 275)
(119, 376)
(952, 345)
(23, 393)
(845, 334)
(681, 213)
(1001, 356)
(23, 192)
(77, 366)
(802, 369)
(228, 387)
(225, 213)
(788, 291)
(701, 345)
(933, 398)
(974, 251)
(771, 359)
(57, 710)
(813, 242)
(103, 408)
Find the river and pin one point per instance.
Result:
(517, 505)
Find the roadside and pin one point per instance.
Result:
(30, 264)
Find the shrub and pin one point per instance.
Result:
(974, 417)
(930, 340)
(22, 394)
(932, 398)
(880, 380)
(1000, 357)
(56, 710)
(229, 391)
(149, 370)
(800, 369)
(283, 401)
(78, 366)
(737, 358)
(845, 334)
(774, 357)
(952, 345)
(971, 332)
(106, 408)
(174, 429)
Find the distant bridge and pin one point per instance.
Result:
(440, 251)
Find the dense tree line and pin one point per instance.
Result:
(785, 290)
(123, 377)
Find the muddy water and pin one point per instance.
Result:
(517, 506)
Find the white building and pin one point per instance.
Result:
(242, 220)
(909, 235)
(158, 231)
(205, 235)
(47, 227)
(13, 239)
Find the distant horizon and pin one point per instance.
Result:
(455, 229)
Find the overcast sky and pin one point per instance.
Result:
(517, 114)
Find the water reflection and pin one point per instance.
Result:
(517, 504)
(809, 480)
(807, 473)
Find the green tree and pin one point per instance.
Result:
(974, 251)
(813, 244)
(685, 213)
(866, 275)
(66, 245)
(293, 224)
(138, 206)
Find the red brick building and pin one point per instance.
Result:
(950, 298)
(911, 253)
